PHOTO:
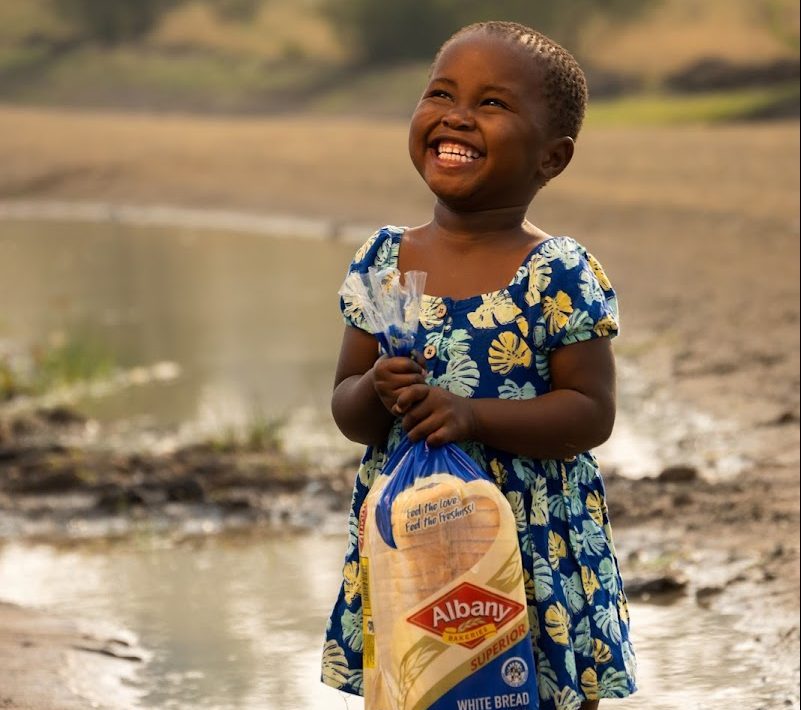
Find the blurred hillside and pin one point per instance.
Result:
(711, 60)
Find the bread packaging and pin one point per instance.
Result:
(445, 620)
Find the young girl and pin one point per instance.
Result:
(516, 365)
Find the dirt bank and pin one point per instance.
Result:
(699, 231)
(50, 662)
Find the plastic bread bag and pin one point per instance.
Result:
(389, 303)
(445, 620)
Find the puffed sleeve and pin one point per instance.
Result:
(380, 251)
(576, 299)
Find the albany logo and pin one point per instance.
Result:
(466, 615)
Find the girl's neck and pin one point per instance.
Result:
(484, 225)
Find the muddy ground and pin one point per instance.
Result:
(698, 229)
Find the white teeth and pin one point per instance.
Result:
(456, 152)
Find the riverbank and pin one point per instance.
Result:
(698, 229)
(53, 662)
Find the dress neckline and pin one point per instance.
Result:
(516, 281)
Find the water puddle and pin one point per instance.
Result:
(238, 623)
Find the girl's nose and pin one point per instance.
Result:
(459, 117)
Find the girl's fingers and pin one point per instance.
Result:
(409, 397)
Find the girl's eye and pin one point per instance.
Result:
(493, 102)
(439, 94)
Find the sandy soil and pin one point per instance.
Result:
(698, 229)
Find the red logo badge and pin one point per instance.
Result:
(466, 615)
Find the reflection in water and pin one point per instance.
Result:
(251, 320)
(238, 623)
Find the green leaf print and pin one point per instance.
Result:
(575, 498)
(584, 469)
(593, 538)
(629, 659)
(563, 249)
(607, 573)
(590, 288)
(510, 390)
(457, 344)
(553, 468)
(543, 578)
(607, 619)
(546, 677)
(525, 474)
(335, 666)
(461, 376)
(574, 591)
(352, 628)
(357, 681)
(567, 699)
(542, 365)
(579, 327)
(556, 506)
(570, 664)
(613, 684)
(583, 639)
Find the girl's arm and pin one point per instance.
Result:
(575, 416)
(366, 387)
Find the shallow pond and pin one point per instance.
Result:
(238, 623)
(249, 322)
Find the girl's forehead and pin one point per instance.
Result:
(492, 53)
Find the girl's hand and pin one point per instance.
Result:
(392, 375)
(436, 415)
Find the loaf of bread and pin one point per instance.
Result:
(448, 599)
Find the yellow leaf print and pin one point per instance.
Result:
(508, 351)
(601, 651)
(598, 270)
(623, 607)
(353, 582)
(557, 624)
(589, 684)
(557, 311)
(595, 507)
(499, 473)
(556, 548)
(496, 309)
(364, 248)
(590, 582)
(605, 326)
(522, 323)
(430, 310)
(539, 277)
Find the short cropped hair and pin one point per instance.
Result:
(564, 87)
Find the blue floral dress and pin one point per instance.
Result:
(497, 345)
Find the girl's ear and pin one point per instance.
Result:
(556, 157)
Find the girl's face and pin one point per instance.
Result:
(479, 135)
